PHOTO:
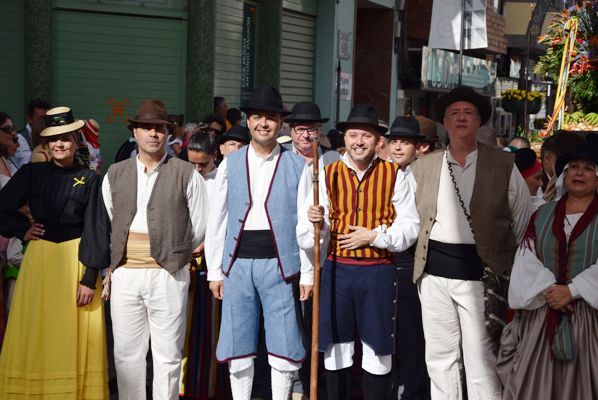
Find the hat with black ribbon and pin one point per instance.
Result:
(405, 127)
(265, 99)
(306, 112)
(60, 120)
(468, 94)
(236, 132)
(362, 114)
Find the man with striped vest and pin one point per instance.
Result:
(367, 212)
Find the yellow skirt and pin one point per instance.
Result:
(53, 350)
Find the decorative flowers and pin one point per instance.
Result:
(520, 94)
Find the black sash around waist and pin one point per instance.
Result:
(256, 244)
(404, 259)
(454, 261)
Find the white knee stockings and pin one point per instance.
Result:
(242, 381)
(282, 381)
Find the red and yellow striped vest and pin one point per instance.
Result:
(367, 203)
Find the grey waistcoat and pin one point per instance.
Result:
(489, 207)
(168, 220)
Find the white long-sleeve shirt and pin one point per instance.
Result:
(197, 200)
(399, 236)
(530, 278)
(451, 225)
(23, 153)
(261, 172)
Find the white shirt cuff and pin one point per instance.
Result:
(215, 275)
(574, 292)
(307, 278)
(381, 241)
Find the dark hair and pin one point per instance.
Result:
(178, 120)
(524, 158)
(36, 103)
(3, 117)
(218, 100)
(521, 139)
(233, 115)
(201, 143)
(215, 118)
(336, 139)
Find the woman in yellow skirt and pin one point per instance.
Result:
(55, 344)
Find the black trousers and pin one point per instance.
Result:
(409, 363)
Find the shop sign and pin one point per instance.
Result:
(345, 45)
(440, 71)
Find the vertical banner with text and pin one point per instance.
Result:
(248, 48)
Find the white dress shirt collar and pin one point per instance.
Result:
(253, 155)
(141, 168)
(469, 159)
(347, 160)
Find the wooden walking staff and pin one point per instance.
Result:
(315, 328)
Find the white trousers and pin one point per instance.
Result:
(453, 319)
(148, 303)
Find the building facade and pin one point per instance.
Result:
(103, 57)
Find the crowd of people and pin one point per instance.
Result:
(452, 266)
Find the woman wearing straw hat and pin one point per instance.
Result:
(54, 345)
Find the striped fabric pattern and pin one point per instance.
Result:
(202, 377)
(584, 250)
(366, 203)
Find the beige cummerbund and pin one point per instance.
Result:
(137, 252)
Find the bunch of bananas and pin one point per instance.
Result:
(578, 121)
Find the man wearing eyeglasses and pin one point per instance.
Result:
(305, 122)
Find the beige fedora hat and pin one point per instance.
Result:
(60, 120)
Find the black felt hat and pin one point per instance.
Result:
(405, 127)
(265, 98)
(585, 151)
(305, 111)
(363, 114)
(236, 132)
(464, 93)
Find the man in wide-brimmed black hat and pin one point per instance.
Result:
(233, 139)
(474, 207)
(158, 210)
(252, 252)
(406, 142)
(305, 122)
(367, 212)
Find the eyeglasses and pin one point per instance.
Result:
(8, 129)
(303, 130)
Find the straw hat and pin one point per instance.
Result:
(92, 126)
(60, 120)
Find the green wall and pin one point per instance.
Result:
(103, 65)
(12, 43)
